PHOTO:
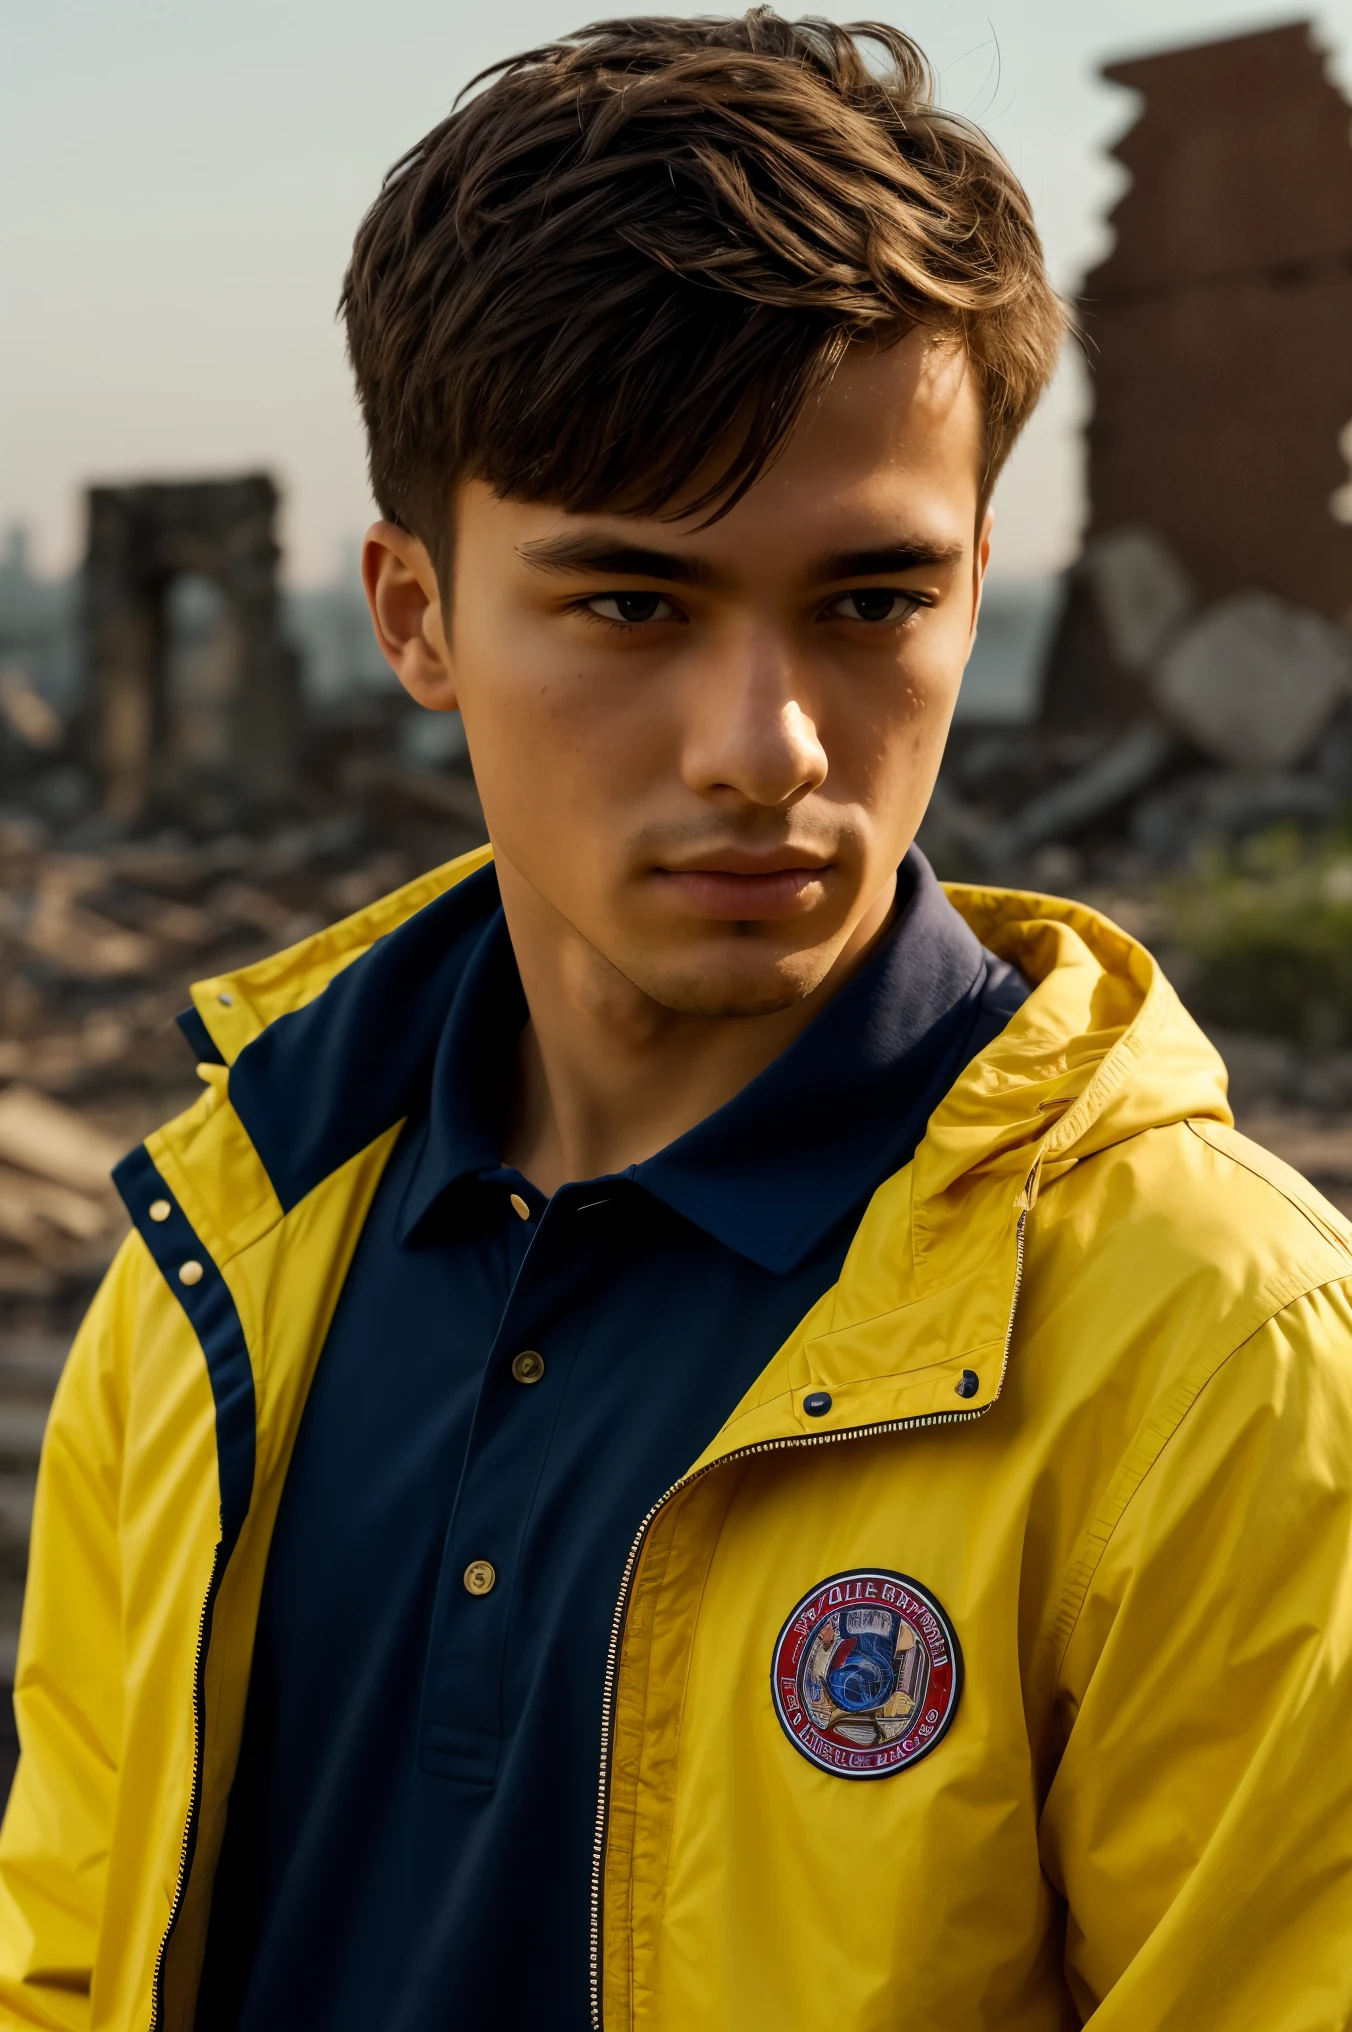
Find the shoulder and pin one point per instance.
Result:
(1191, 1325)
(1261, 1186)
(1192, 1211)
(1166, 1259)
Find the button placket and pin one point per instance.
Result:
(462, 1717)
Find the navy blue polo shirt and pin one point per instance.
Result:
(509, 1384)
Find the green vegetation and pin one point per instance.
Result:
(1261, 938)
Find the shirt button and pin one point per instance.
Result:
(968, 1383)
(519, 1206)
(160, 1209)
(190, 1273)
(480, 1579)
(528, 1366)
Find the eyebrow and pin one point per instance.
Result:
(909, 555)
(605, 558)
(594, 555)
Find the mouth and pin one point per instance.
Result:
(738, 885)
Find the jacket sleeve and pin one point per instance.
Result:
(68, 1686)
(1199, 1826)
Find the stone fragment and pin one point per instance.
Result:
(1254, 682)
(1143, 592)
(1118, 773)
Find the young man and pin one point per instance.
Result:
(694, 1433)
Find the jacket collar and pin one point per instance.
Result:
(1100, 1051)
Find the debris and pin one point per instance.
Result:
(29, 1206)
(1221, 809)
(80, 942)
(1143, 593)
(28, 713)
(41, 1135)
(1254, 681)
(97, 952)
(1099, 787)
(445, 796)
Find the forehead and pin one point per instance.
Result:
(910, 410)
(891, 448)
(893, 444)
(890, 453)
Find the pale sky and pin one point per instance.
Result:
(182, 178)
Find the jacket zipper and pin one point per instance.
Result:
(621, 1607)
(195, 1793)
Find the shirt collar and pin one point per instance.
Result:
(803, 1145)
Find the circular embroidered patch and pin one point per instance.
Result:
(867, 1673)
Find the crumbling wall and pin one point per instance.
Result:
(1219, 339)
(141, 539)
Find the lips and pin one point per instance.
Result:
(746, 892)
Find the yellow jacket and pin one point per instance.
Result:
(1138, 1523)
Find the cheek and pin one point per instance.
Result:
(556, 738)
(885, 719)
(929, 675)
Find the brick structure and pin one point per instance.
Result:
(1219, 338)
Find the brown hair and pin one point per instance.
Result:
(646, 245)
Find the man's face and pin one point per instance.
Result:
(704, 752)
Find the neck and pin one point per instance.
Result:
(606, 1076)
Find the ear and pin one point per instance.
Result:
(405, 602)
(981, 561)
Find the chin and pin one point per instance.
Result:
(723, 991)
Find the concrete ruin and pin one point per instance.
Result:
(139, 735)
(1217, 338)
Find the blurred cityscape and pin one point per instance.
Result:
(198, 765)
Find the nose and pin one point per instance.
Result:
(751, 730)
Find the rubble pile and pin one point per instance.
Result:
(97, 950)
(1204, 723)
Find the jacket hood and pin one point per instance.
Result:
(1102, 1049)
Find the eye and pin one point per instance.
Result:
(630, 610)
(874, 603)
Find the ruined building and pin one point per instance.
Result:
(224, 726)
(1219, 339)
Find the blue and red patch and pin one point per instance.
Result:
(867, 1674)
